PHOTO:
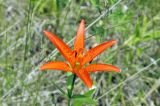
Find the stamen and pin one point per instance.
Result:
(77, 63)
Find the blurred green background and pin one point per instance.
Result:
(23, 48)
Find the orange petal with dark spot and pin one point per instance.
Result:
(102, 67)
(92, 53)
(84, 76)
(61, 46)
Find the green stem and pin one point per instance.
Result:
(69, 101)
(70, 90)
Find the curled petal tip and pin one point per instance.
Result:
(119, 70)
(45, 31)
(92, 87)
(41, 68)
(115, 41)
(83, 21)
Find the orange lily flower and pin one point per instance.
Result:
(78, 57)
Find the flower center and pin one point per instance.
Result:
(77, 63)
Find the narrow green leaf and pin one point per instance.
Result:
(82, 101)
(78, 96)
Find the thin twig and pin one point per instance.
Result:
(9, 28)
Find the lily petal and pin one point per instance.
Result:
(101, 67)
(79, 40)
(84, 76)
(92, 53)
(56, 65)
(61, 46)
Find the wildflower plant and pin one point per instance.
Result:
(77, 62)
